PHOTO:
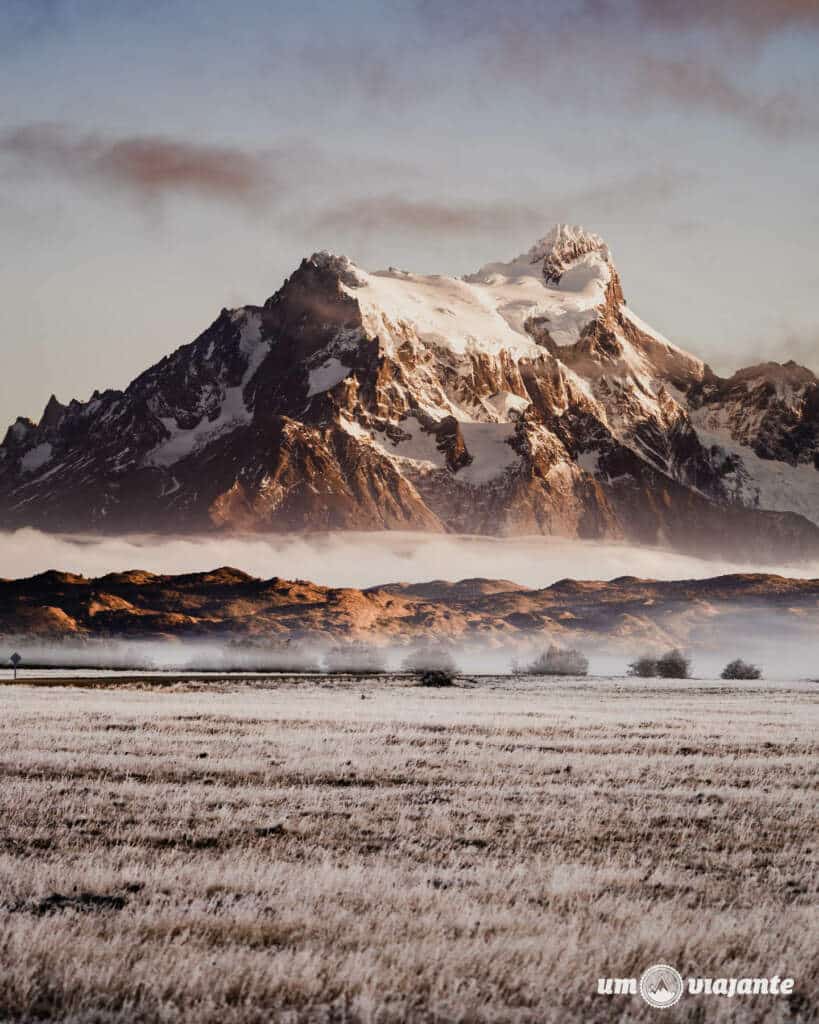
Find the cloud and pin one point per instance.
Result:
(153, 168)
(361, 559)
(150, 167)
(564, 54)
(377, 213)
(699, 85)
(428, 217)
(800, 344)
(754, 18)
(388, 78)
(626, 196)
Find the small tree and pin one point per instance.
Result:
(673, 665)
(644, 667)
(15, 660)
(558, 662)
(740, 669)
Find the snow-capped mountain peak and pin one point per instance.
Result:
(341, 266)
(524, 398)
(562, 247)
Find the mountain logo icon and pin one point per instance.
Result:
(661, 986)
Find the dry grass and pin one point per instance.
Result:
(298, 853)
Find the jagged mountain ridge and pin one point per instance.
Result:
(526, 398)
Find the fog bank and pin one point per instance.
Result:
(363, 559)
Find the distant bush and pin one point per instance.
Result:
(557, 661)
(643, 668)
(429, 659)
(673, 665)
(356, 658)
(740, 669)
(436, 677)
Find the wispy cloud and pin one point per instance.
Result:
(567, 50)
(381, 212)
(429, 217)
(759, 18)
(150, 167)
(695, 84)
(787, 341)
(755, 18)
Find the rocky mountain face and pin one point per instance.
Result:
(526, 398)
(229, 607)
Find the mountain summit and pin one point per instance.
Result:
(526, 398)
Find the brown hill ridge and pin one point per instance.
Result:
(229, 605)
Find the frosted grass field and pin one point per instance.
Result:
(341, 849)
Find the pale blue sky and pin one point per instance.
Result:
(160, 159)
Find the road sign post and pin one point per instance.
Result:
(15, 660)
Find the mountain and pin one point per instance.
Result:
(526, 398)
(229, 606)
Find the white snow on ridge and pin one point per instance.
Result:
(641, 325)
(766, 483)
(485, 312)
(420, 447)
(589, 461)
(233, 412)
(443, 311)
(487, 443)
(36, 458)
(682, 359)
(520, 291)
(506, 405)
(326, 376)
(491, 453)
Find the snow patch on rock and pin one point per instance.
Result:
(326, 376)
(446, 312)
(507, 406)
(233, 412)
(762, 483)
(36, 458)
(589, 462)
(492, 455)
(564, 306)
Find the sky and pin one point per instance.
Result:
(162, 159)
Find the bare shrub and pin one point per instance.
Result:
(355, 657)
(739, 669)
(437, 677)
(429, 659)
(557, 661)
(673, 665)
(644, 667)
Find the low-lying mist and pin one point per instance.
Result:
(780, 653)
(363, 559)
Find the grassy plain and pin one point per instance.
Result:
(365, 850)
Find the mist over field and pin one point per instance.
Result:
(780, 656)
(364, 559)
